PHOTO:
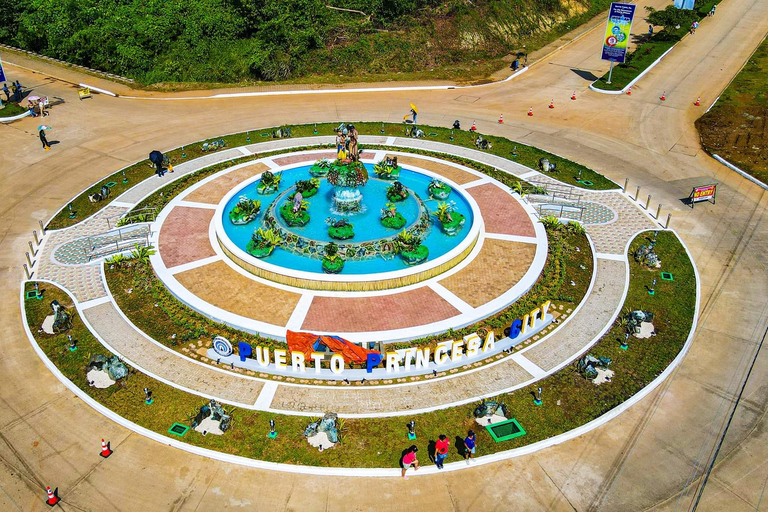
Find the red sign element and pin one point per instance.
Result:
(704, 193)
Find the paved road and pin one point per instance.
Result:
(642, 460)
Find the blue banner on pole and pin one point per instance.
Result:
(2, 72)
(684, 4)
(617, 32)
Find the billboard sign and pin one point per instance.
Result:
(2, 73)
(617, 32)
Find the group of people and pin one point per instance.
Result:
(346, 143)
(16, 89)
(442, 446)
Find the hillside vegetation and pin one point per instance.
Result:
(236, 41)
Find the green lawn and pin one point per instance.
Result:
(735, 127)
(569, 400)
(11, 109)
(526, 155)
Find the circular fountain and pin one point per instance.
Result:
(336, 238)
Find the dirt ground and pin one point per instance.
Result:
(737, 127)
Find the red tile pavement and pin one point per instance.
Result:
(184, 236)
(286, 160)
(501, 212)
(365, 314)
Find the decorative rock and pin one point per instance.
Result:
(99, 379)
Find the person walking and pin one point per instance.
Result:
(694, 26)
(712, 12)
(18, 95)
(470, 443)
(650, 30)
(410, 460)
(441, 450)
(7, 92)
(46, 146)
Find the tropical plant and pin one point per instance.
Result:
(141, 253)
(263, 238)
(397, 192)
(406, 241)
(269, 179)
(245, 210)
(117, 259)
(353, 174)
(331, 250)
(577, 228)
(551, 222)
(304, 186)
(517, 187)
(444, 210)
(389, 210)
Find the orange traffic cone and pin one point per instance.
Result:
(105, 451)
(698, 101)
(501, 118)
(663, 96)
(474, 128)
(530, 112)
(629, 91)
(552, 104)
(52, 498)
(573, 96)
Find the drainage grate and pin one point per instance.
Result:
(505, 430)
(178, 429)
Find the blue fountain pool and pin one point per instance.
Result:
(367, 225)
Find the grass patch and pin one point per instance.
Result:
(735, 127)
(11, 109)
(529, 156)
(569, 399)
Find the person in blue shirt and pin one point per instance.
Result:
(470, 443)
(7, 92)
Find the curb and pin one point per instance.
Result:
(743, 173)
(14, 118)
(638, 77)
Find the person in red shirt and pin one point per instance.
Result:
(409, 460)
(441, 450)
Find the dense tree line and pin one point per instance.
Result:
(231, 40)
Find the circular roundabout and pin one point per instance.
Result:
(296, 287)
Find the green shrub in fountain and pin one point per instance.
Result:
(391, 218)
(262, 242)
(295, 214)
(245, 211)
(269, 183)
(450, 220)
(332, 262)
(409, 246)
(339, 229)
(397, 192)
(307, 188)
(353, 174)
(320, 168)
(387, 169)
(439, 190)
